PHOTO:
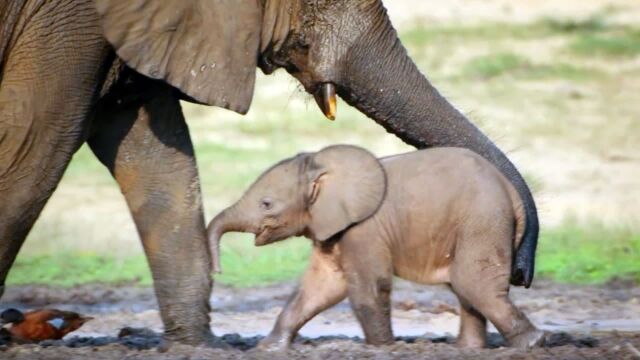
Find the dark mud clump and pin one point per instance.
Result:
(140, 343)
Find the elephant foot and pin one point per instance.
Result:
(202, 338)
(471, 343)
(380, 342)
(216, 343)
(529, 339)
(275, 342)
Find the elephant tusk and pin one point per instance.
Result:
(326, 100)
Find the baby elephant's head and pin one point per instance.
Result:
(312, 194)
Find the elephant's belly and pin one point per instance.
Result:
(425, 274)
(422, 260)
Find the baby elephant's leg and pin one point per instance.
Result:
(369, 275)
(323, 285)
(473, 327)
(480, 277)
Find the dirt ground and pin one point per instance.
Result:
(600, 322)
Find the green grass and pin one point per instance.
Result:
(595, 254)
(243, 264)
(545, 27)
(74, 269)
(591, 24)
(495, 65)
(571, 254)
(499, 64)
(561, 71)
(625, 44)
(422, 35)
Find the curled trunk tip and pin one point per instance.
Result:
(215, 230)
(226, 221)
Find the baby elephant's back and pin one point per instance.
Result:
(438, 196)
(442, 174)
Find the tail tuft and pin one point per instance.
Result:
(523, 266)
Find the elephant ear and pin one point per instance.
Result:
(206, 48)
(346, 185)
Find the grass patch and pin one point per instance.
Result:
(570, 253)
(575, 254)
(243, 264)
(625, 44)
(74, 269)
(571, 26)
(494, 65)
(422, 35)
(561, 71)
(542, 28)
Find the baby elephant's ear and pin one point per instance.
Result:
(346, 185)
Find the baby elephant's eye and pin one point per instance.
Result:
(266, 203)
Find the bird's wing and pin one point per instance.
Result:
(57, 323)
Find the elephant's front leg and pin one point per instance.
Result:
(323, 285)
(48, 80)
(367, 263)
(145, 144)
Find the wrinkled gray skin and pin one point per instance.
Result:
(437, 216)
(111, 73)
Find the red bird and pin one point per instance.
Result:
(38, 325)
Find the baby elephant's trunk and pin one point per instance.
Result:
(224, 222)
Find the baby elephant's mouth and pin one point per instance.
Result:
(270, 233)
(263, 236)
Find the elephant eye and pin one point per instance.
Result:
(266, 203)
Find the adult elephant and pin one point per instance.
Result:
(64, 81)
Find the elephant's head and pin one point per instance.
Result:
(209, 50)
(312, 194)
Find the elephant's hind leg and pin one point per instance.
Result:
(323, 285)
(46, 92)
(140, 135)
(480, 276)
(473, 327)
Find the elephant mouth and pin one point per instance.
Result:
(269, 234)
(263, 236)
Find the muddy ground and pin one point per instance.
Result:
(584, 322)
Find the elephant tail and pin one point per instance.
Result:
(520, 225)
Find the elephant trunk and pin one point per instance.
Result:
(382, 81)
(226, 221)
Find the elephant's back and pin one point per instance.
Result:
(446, 166)
(433, 197)
(432, 166)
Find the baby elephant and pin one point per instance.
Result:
(443, 215)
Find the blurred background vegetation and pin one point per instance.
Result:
(556, 86)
